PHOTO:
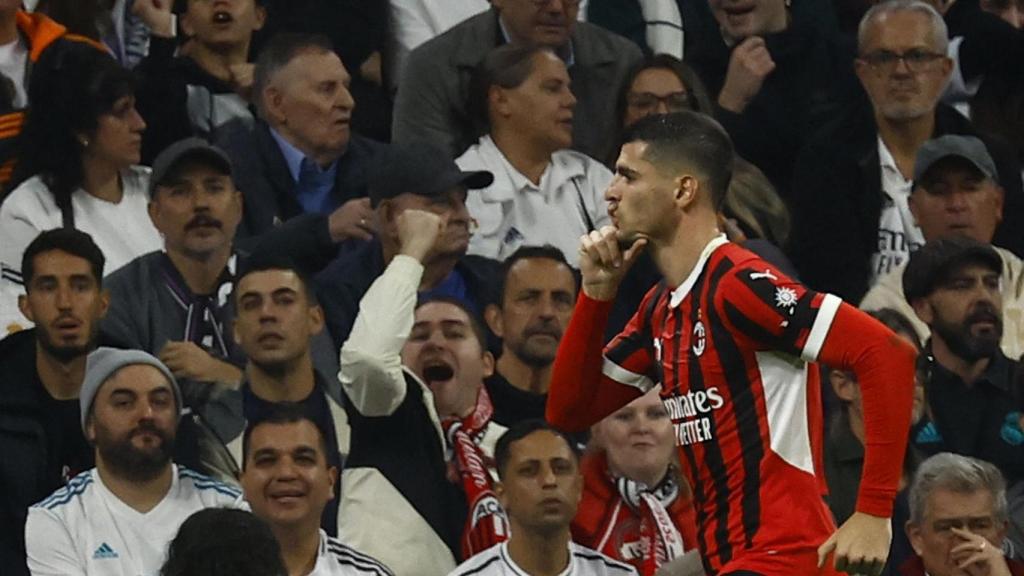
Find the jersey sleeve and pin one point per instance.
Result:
(588, 381)
(49, 547)
(776, 312)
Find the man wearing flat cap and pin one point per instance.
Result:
(955, 192)
(411, 176)
(117, 518)
(973, 401)
(174, 303)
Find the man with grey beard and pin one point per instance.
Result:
(973, 400)
(534, 303)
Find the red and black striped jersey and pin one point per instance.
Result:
(730, 348)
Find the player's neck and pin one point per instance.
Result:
(141, 496)
(522, 375)
(677, 257)
(299, 547)
(62, 380)
(293, 381)
(539, 554)
(8, 26)
(968, 370)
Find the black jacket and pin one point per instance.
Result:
(343, 283)
(837, 200)
(261, 173)
(178, 99)
(28, 472)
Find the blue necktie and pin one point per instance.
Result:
(313, 190)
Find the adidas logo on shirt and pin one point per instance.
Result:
(104, 551)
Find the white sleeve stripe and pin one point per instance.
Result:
(623, 376)
(822, 324)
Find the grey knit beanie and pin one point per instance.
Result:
(103, 362)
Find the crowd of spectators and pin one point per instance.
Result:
(282, 282)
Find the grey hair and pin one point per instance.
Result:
(939, 31)
(277, 54)
(960, 474)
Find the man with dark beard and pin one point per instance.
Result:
(40, 437)
(973, 402)
(534, 304)
(118, 517)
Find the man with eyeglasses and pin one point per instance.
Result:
(435, 98)
(852, 221)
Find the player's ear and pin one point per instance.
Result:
(687, 189)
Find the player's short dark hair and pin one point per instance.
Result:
(278, 53)
(70, 240)
(546, 251)
(474, 321)
(277, 261)
(520, 430)
(282, 413)
(689, 140)
(224, 542)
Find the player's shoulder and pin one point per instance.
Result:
(483, 563)
(206, 487)
(65, 496)
(351, 561)
(590, 561)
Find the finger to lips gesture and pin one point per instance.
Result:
(603, 263)
(977, 556)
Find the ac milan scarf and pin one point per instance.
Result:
(660, 540)
(486, 524)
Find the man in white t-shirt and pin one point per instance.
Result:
(540, 489)
(288, 482)
(117, 518)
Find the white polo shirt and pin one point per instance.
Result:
(514, 212)
(495, 561)
(84, 529)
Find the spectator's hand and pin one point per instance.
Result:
(353, 219)
(371, 69)
(156, 14)
(242, 77)
(861, 545)
(977, 556)
(418, 231)
(603, 263)
(749, 65)
(186, 360)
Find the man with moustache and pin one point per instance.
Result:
(532, 307)
(973, 399)
(43, 367)
(174, 303)
(117, 518)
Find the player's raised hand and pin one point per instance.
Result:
(861, 545)
(603, 263)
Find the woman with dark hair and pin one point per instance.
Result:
(223, 542)
(80, 147)
(661, 84)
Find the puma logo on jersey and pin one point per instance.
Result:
(762, 275)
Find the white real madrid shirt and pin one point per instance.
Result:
(496, 561)
(84, 529)
(512, 212)
(336, 559)
(898, 234)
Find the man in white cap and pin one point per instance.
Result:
(117, 518)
